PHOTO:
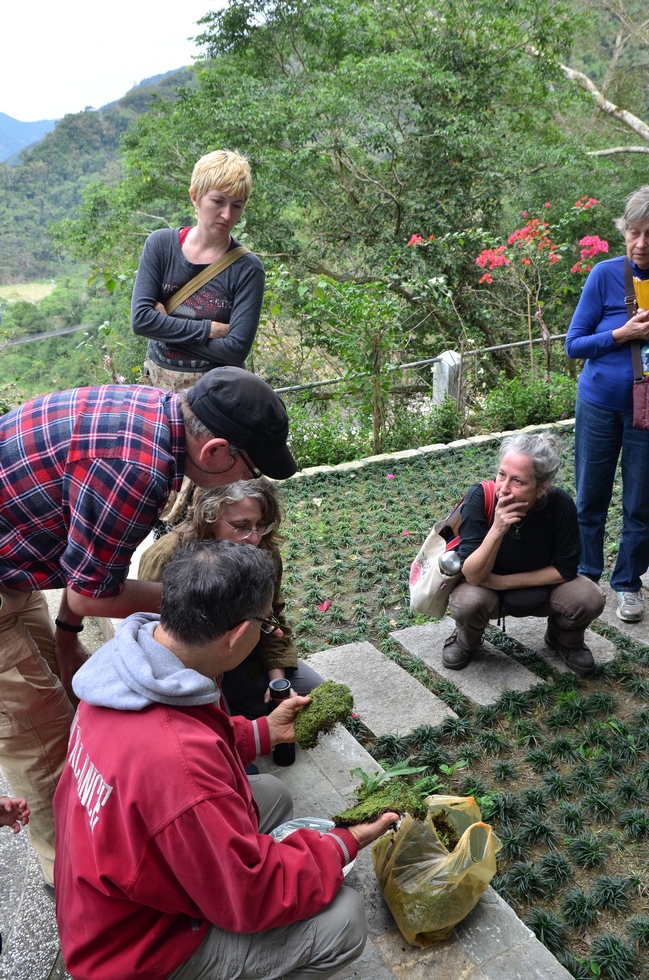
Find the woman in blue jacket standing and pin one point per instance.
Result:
(601, 332)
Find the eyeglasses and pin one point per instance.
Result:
(269, 625)
(243, 533)
(255, 473)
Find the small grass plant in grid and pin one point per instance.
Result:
(561, 771)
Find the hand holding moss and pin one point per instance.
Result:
(281, 721)
(367, 833)
(330, 703)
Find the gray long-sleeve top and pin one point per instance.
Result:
(181, 341)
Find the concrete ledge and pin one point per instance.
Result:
(386, 697)
(489, 673)
(635, 631)
(438, 447)
(530, 632)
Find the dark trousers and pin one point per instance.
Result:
(571, 608)
(600, 436)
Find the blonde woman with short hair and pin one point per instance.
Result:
(217, 323)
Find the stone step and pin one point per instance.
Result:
(530, 632)
(387, 699)
(490, 944)
(635, 631)
(489, 673)
(321, 784)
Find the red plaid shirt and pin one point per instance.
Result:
(83, 476)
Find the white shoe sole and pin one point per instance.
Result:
(630, 619)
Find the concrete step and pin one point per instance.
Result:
(531, 630)
(489, 673)
(635, 631)
(319, 781)
(490, 944)
(387, 699)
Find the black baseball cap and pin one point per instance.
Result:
(238, 406)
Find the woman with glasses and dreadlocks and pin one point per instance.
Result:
(247, 512)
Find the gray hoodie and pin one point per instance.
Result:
(133, 671)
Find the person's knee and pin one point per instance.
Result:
(580, 599)
(274, 801)
(345, 923)
(469, 603)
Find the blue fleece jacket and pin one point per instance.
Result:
(608, 373)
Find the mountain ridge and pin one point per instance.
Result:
(16, 135)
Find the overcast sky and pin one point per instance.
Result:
(62, 57)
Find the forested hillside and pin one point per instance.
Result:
(425, 175)
(369, 123)
(16, 135)
(48, 184)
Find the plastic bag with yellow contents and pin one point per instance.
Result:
(432, 872)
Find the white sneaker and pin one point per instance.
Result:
(630, 606)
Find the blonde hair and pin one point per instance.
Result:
(224, 170)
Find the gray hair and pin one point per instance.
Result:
(210, 586)
(542, 452)
(192, 422)
(636, 209)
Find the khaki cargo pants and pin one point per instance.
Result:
(35, 713)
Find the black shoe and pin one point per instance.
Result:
(577, 659)
(453, 656)
(49, 890)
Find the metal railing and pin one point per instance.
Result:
(415, 364)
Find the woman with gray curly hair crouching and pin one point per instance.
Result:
(523, 560)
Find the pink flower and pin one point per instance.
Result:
(389, 476)
(416, 240)
(486, 278)
(586, 203)
(525, 214)
(493, 257)
(593, 244)
(525, 261)
(324, 605)
(547, 204)
(406, 534)
(554, 258)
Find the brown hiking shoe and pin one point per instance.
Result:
(453, 656)
(577, 659)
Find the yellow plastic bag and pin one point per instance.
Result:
(427, 888)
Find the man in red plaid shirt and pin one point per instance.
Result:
(84, 475)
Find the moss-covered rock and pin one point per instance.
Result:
(330, 703)
(395, 795)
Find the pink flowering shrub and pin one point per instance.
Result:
(529, 274)
(532, 246)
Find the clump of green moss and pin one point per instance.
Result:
(330, 703)
(396, 795)
(445, 830)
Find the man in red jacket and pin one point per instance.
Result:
(163, 867)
